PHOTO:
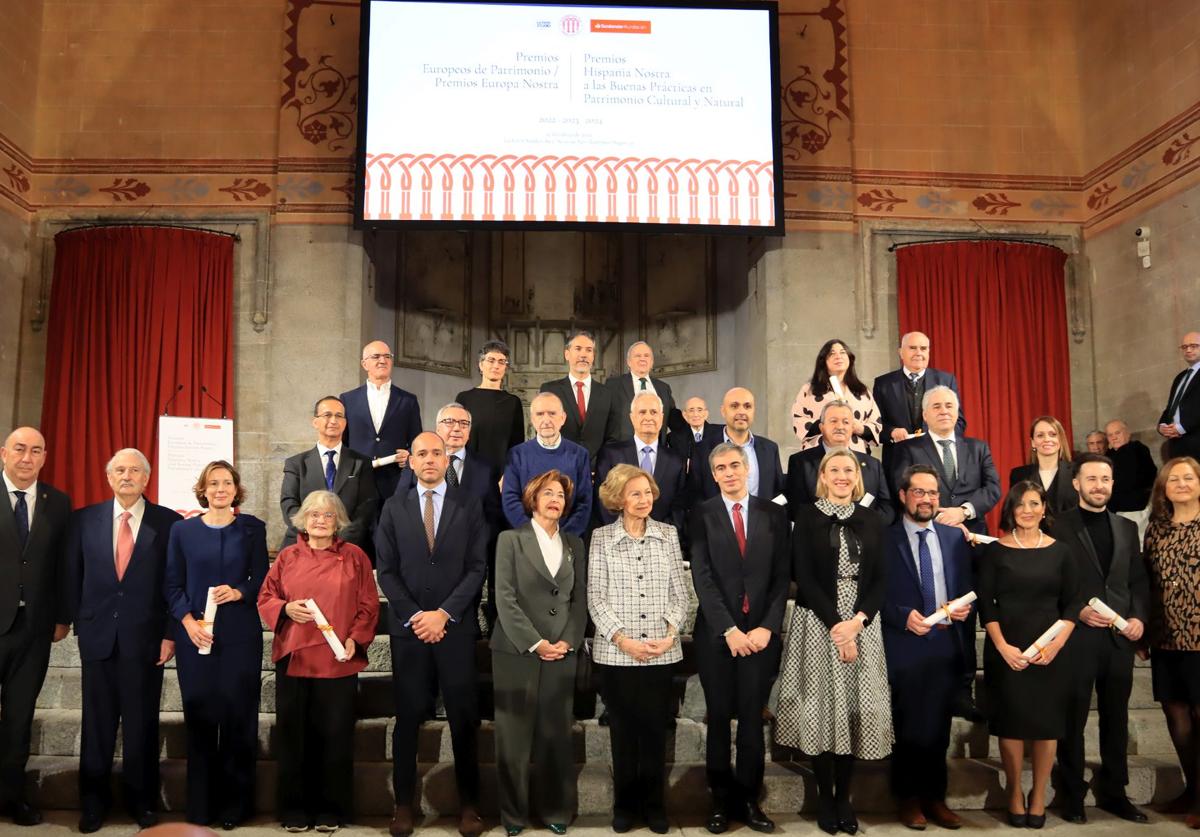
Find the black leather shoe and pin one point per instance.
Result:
(1122, 808)
(718, 820)
(90, 822)
(146, 819)
(847, 820)
(658, 822)
(22, 813)
(622, 822)
(964, 707)
(754, 817)
(1074, 814)
(827, 819)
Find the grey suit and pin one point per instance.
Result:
(354, 484)
(534, 699)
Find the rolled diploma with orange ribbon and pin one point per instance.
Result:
(339, 650)
(384, 460)
(1045, 639)
(1108, 613)
(210, 617)
(943, 612)
(837, 386)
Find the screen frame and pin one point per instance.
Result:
(360, 153)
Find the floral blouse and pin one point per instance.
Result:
(806, 415)
(1172, 553)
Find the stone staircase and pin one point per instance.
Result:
(976, 780)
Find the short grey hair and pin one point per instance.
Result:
(453, 405)
(930, 394)
(145, 463)
(635, 344)
(646, 394)
(321, 500)
(837, 402)
(553, 395)
(726, 447)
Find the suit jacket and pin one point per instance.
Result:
(1126, 588)
(39, 569)
(353, 483)
(905, 650)
(623, 394)
(1189, 407)
(801, 486)
(670, 472)
(891, 394)
(480, 479)
(1133, 476)
(770, 475)
(602, 415)
(722, 576)
(413, 579)
(976, 481)
(130, 614)
(401, 424)
(532, 605)
(1062, 495)
(683, 440)
(815, 562)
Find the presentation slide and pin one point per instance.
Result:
(625, 114)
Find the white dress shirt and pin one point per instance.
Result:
(377, 401)
(744, 510)
(552, 547)
(637, 385)
(555, 446)
(31, 494)
(587, 390)
(337, 455)
(639, 444)
(935, 555)
(136, 512)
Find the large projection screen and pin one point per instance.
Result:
(656, 116)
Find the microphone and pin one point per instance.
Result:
(215, 400)
(171, 400)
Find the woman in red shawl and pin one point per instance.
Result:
(314, 689)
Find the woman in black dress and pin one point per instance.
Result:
(1028, 582)
(1049, 464)
(498, 419)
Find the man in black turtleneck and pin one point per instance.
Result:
(1105, 547)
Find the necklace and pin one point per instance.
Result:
(1017, 540)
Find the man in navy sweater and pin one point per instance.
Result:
(548, 451)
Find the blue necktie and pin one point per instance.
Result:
(330, 470)
(21, 513)
(925, 561)
(646, 466)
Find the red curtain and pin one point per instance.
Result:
(995, 313)
(137, 315)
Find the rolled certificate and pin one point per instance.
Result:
(837, 386)
(210, 618)
(339, 650)
(1042, 641)
(977, 539)
(943, 612)
(384, 460)
(1108, 613)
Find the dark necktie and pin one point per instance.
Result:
(739, 532)
(925, 560)
(643, 380)
(452, 473)
(948, 462)
(914, 401)
(1183, 385)
(429, 528)
(21, 513)
(579, 402)
(330, 470)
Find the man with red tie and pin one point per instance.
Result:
(740, 568)
(592, 414)
(116, 558)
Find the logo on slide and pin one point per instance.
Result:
(570, 25)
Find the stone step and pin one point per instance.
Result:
(975, 784)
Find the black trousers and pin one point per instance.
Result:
(24, 656)
(418, 669)
(314, 743)
(638, 699)
(923, 693)
(124, 689)
(735, 688)
(1097, 663)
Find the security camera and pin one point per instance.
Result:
(1141, 232)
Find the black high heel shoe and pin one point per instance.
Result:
(1020, 820)
(847, 820)
(1033, 820)
(827, 819)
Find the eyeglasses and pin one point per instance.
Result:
(1189, 347)
(320, 515)
(331, 416)
(378, 357)
(449, 422)
(496, 361)
(921, 493)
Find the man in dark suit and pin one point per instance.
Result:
(117, 557)
(592, 411)
(740, 567)
(837, 428)
(691, 427)
(1105, 547)
(967, 479)
(33, 611)
(764, 477)
(473, 475)
(381, 419)
(332, 466)
(899, 394)
(1179, 423)
(430, 548)
(928, 565)
(646, 451)
(640, 360)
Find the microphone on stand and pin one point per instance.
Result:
(215, 400)
(171, 400)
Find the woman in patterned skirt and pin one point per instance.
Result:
(1172, 544)
(834, 702)
(834, 379)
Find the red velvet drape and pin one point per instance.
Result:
(135, 312)
(995, 313)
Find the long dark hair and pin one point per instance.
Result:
(1015, 495)
(818, 385)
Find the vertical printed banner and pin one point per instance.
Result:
(185, 446)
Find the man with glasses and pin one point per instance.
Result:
(381, 419)
(332, 466)
(1180, 421)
